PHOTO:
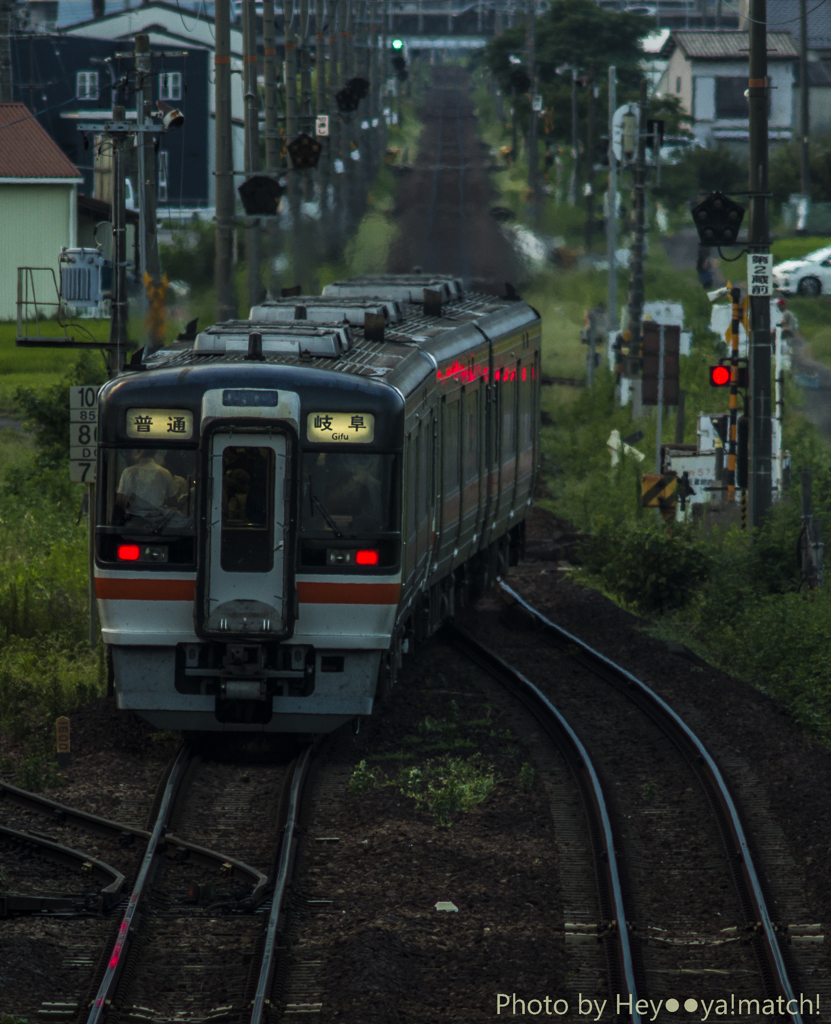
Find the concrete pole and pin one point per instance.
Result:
(531, 45)
(272, 134)
(118, 305)
(226, 306)
(611, 224)
(252, 143)
(758, 242)
(6, 24)
(636, 257)
(804, 101)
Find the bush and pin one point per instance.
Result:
(650, 569)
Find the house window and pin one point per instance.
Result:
(730, 98)
(170, 85)
(162, 191)
(678, 84)
(86, 85)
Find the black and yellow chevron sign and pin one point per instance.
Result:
(659, 490)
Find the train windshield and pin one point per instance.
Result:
(151, 490)
(347, 493)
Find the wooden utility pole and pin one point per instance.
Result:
(758, 244)
(804, 99)
(226, 307)
(636, 256)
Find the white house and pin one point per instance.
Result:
(171, 28)
(707, 70)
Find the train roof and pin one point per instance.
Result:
(405, 353)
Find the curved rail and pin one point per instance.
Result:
(750, 889)
(64, 814)
(578, 760)
(108, 982)
(261, 1001)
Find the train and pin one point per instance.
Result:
(287, 504)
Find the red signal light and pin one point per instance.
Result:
(128, 552)
(366, 557)
(719, 376)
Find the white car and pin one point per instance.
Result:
(810, 276)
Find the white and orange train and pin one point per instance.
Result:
(286, 502)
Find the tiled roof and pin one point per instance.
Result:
(26, 150)
(783, 15)
(727, 44)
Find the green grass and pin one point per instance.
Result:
(796, 247)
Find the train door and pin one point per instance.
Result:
(245, 586)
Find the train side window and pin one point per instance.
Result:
(508, 389)
(412, 481)
(526, 409)
(450, 448)
(471, 436)
(424, 471)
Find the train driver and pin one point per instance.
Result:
(146, 488)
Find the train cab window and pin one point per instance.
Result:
(347, 493)
(247, 490)
(151, 490)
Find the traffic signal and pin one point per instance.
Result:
(520, 80)
(717, 219)
(304, 152)
(720, 376)
(400, 66)
(260, 195)
(351, 94)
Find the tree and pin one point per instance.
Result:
(573, 33)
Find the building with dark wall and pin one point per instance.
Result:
(70, 79)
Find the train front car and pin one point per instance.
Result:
(285, 503)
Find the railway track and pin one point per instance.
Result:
(752, 953)
(198, 931)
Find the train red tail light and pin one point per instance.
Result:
(366, 557)
(128, 552)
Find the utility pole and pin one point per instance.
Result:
(804, 99)
(272, 131)
(6, 21)
(636, 256)
(575, 142)
(590, 161)
(149, 251)
(758, 244)
(118, 303)
(611, 220)
(252, 143)
(531, 43)
(226, 307)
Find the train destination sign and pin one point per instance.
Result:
(341, 427)
(160, 424)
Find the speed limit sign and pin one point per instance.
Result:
(322, 124)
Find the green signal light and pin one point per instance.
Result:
(397, 44)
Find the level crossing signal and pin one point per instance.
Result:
(720, 376)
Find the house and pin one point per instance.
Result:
(707, 70)
(38, 184)
(74, 79)
(173, 28)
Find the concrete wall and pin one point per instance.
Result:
(37, 221)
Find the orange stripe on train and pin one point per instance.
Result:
(348, 593)
(109, 589)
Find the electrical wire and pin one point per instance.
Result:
(767, 24)
(37, 113)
